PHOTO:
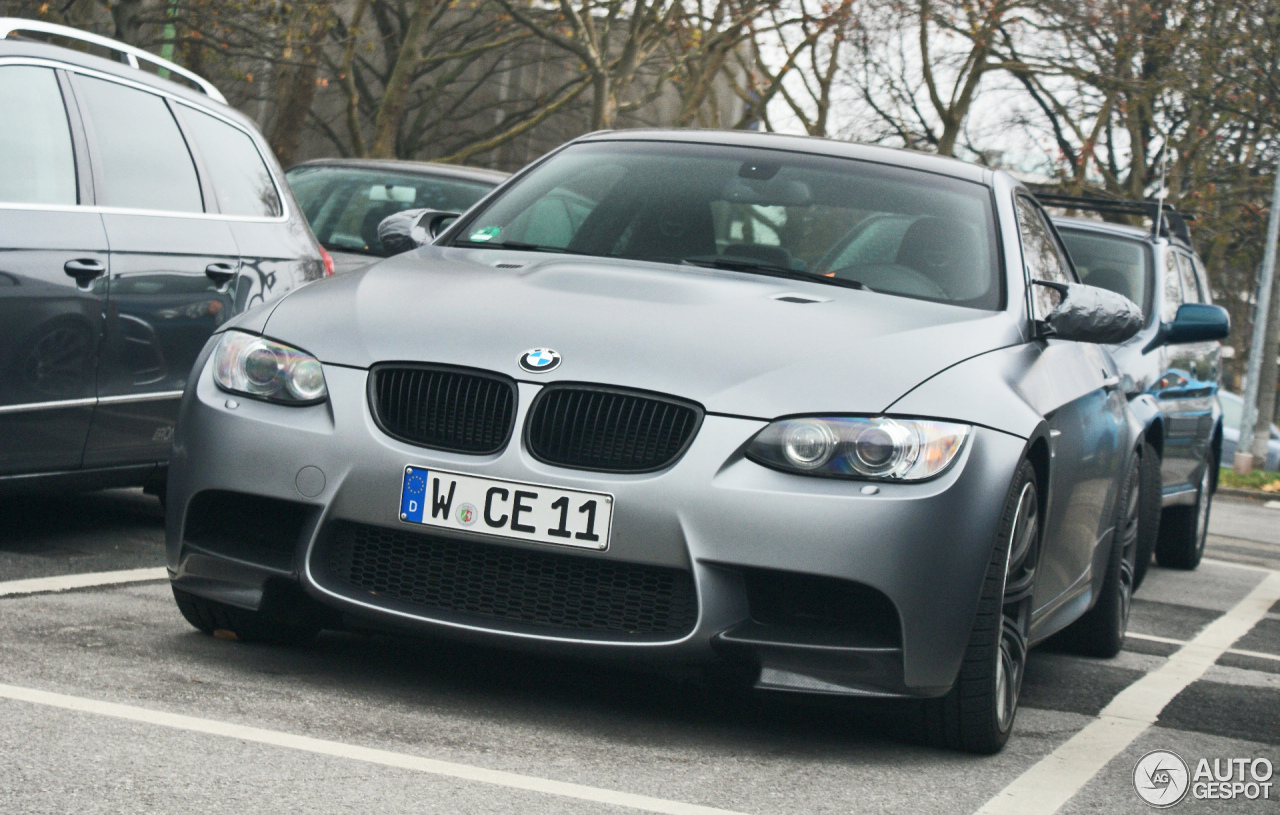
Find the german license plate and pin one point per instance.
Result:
(509, 509)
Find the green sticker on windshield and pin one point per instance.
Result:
(486, 234)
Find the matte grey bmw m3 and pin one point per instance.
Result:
(830, 413)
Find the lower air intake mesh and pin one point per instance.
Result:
(552, 589)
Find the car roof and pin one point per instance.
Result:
(1106, 227)
(56, 53)
(425, 168)
(893, 156)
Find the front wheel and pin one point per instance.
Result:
(1183, 529)
(977, 714)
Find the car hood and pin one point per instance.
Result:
(344, 262)
(737, 343)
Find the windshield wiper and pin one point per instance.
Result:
(737, 264)
(519, 246)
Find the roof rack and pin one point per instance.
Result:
(1171, 223)
(129, 55)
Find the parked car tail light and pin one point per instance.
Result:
(328, 262)
(265, 369)
(860, 447)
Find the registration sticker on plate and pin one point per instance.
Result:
(509, 509)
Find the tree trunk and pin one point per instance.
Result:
(604, 105)
(296, 92)
(386, 125)
(126, 14)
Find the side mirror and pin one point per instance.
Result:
(1092, 314)
(1196, 322)
(408, 229)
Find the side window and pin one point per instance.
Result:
(1190, 286)
(1041, 256)
(37, 165)
(1172, 287)
(241, 181)
(1202, 275)
(145, 161)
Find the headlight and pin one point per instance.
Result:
(258, 367)
(852, 447)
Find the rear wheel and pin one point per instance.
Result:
(977, 714)
(1100, 632)
(282, 620)
(1149, 506)
(1183, 529)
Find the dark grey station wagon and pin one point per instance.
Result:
(137, 215)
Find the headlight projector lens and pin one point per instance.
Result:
(876, 447)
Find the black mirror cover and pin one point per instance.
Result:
(408, 229)
(1198, 322)
(1092, 314)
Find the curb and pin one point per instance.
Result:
(1248, 495)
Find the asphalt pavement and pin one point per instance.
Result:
(110, 702)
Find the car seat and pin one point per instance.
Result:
(946, 251)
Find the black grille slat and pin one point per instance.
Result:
(549, 589)
(608, 430)
(448, 409)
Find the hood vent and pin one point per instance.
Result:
(591, 427)
(453, 409)
(507, 264)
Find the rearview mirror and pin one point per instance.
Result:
(1197, 322)
(408, 229)
(1092, 314)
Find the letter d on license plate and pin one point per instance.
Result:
(508, 509)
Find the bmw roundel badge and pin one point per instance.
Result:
(539, 360)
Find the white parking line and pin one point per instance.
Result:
(337, 749)
(66, 582)
(1171, 641)
(1215, 562)
(1043, 789)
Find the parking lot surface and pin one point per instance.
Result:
(110, 702)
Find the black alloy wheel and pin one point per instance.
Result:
(977, 714)
(1149, 511)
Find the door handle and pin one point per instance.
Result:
(1110, 383)
(221, 273)
(84, 270)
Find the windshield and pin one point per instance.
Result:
(889, 229)
(345, 205)
(1111, 262)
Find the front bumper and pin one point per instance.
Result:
(726, 521)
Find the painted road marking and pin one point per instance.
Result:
(1234, 565)
(1055, 779)
(66, 582)
(1171, 641)
(338, 749)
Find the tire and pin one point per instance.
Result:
(1183, 529)
(1150, 493)
(282, 620)
(977, 714)
(1100, 631)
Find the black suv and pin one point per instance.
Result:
(1170, 370)
(136, 215)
